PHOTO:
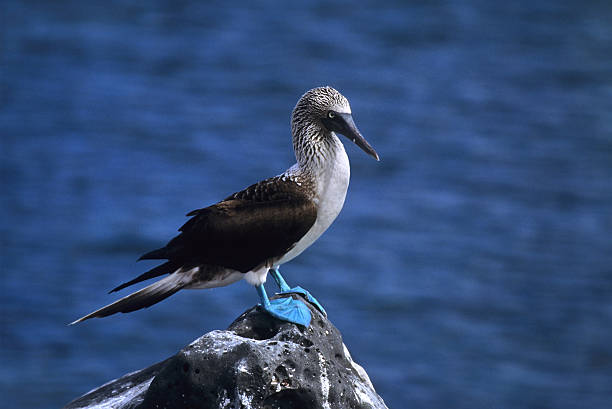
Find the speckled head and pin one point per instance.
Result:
(324, 109)
(316, 102)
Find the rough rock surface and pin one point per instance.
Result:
(258, 362)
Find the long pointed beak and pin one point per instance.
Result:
(350, 131)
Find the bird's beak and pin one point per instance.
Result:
(349, 129)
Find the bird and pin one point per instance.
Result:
(251, 233)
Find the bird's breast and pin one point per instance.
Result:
(331, 184)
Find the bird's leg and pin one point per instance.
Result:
(285, 289)
(280, 281)
(286, 308)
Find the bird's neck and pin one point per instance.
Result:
(321, 158)
(316, 149)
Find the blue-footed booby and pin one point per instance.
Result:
(252, 232)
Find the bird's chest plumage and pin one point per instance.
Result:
(331, 184)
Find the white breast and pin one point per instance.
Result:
(331, 183)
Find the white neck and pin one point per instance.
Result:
(329, 171)
(316, 149)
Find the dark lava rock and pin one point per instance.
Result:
(258, 362)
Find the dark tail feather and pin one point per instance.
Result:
(159, 254)
(166, 268)
(144, 298)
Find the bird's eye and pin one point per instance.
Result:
(331, 114)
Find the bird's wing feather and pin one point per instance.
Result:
(245, 230)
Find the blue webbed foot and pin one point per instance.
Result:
(286, 309)
(309, 297)
(285, 289)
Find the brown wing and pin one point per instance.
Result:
(247, 229)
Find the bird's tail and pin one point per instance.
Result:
(144, 298)
(166, 268)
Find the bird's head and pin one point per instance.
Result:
(330, 110)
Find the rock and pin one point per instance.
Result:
(258, 362)
(126, 392)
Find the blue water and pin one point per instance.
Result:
(470, 268)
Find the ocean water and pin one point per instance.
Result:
(470, 268)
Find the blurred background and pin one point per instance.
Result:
(470, 268)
